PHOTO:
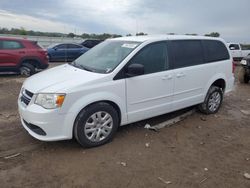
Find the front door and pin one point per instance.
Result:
(150, 94)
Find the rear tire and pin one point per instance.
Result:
(27, 69)
(213, 101)
(242, 75)
(96, 125)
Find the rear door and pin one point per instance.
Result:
(60, 52)
(10, 52)
(73, 51)
(150, 94)
(191, 75)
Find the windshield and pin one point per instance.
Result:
(105, 57)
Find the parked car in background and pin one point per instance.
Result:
(244, 72)
(21, 55)
(65, 52)
(237, 52)
(124, 80)
(90, 43)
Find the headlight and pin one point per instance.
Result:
(243, 62)
(49, 101)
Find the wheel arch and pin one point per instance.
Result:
(113, 104)
(221, 83)
(218, 80)
(90, 99)
(32, 60)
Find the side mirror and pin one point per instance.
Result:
(55, 48)
(232, 48)
(135, 70)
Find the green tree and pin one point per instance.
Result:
(213, 34)
(191, 34)
(71, 35)
(22, 31)
(141, 33)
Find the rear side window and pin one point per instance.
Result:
(61, 46)
(153, 57)
(215, 51)
(186, 53)
(5, 44)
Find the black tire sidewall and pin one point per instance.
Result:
(212, 90)
(242, 75)
(30, 67)
(83, 117)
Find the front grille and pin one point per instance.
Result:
(26, 96)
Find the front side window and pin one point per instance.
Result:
(105, 57)
(186, 53)
(153, 57)
(5, 44)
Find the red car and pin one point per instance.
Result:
(21, 55)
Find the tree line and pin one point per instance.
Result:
(23, 31)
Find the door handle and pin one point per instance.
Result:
(21, 52)
(179, 75)
(167, 77)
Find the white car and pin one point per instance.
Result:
(125, 80)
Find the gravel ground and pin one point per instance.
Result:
(200, 151)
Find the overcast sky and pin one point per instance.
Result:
(231, 18)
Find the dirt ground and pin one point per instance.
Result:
(201, 151)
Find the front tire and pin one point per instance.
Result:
(96, 125)
(213, 101)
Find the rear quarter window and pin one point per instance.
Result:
(215, 51)
(36, 45)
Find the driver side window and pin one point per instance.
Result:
(153, 57)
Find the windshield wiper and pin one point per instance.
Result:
(86, 68)
(73, 63)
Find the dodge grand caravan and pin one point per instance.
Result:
(125, 80)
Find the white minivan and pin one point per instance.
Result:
(124, 80)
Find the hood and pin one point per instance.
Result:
(60, 79)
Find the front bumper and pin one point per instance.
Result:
(44, 124)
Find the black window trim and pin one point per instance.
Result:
(121, 74)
